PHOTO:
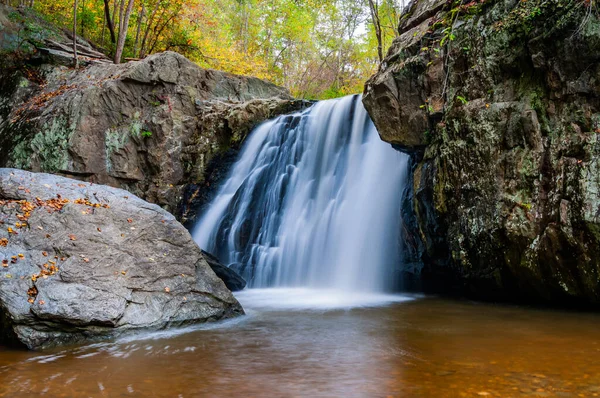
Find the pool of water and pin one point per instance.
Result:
(296, 343)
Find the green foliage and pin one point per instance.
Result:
(316, 48)
(462, 99)
(146, 134)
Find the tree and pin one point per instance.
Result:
(75, 59)
(374, 8)
(123, 26)
(109, 21)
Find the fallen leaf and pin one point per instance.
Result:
(45, 254)
(167, 289)
(72, 237)
(41, 302)
(21, 255)
(129, 220)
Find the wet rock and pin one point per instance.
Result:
(232, 279)
(82, 261)
(501, 113)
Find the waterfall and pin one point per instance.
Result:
(313, 201)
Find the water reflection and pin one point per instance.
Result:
(419, 348)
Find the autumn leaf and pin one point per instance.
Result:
(45, 254)
(167, 289)
(72, 237)
(5, 263)
(3, 242)
(129, 220)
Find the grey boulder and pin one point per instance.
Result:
(83, 261)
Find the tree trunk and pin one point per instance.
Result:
(121, 10)
(82, 19)
(139, 28)
(373, 6)
(114, 16)
(109, 22)
(123, 32)
(148, 26)
(75, 59)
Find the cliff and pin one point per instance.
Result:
(498, 102)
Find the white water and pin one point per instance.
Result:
(313, 202)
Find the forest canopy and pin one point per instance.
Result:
(316, 48)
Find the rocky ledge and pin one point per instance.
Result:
(161, 127)
(498, 101)
(82, 261)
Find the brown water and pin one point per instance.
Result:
(427, 347)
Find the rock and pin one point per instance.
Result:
(83, 261)
(232, 279)
(498, 103)
(154, 127)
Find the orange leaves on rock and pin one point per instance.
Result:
(38, 101)
(45, 272)
(5, 263)
(12, 231)
(32, 291)
(72, 237)
(167, 289)
(41, 302)
(21, 255)
(86, 260)
(129, 220)
(45, 254)
(3, 242)
(86, 202)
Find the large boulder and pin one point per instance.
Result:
(155, 127)
(232, 279)
(499, 104)
(82, 261)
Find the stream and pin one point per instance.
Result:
(307, 343)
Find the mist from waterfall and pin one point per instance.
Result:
(313, 201)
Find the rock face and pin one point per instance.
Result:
(81, 261)
(153, 127)
(232, 279)
(498, 102)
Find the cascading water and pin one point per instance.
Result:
(313, 201)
